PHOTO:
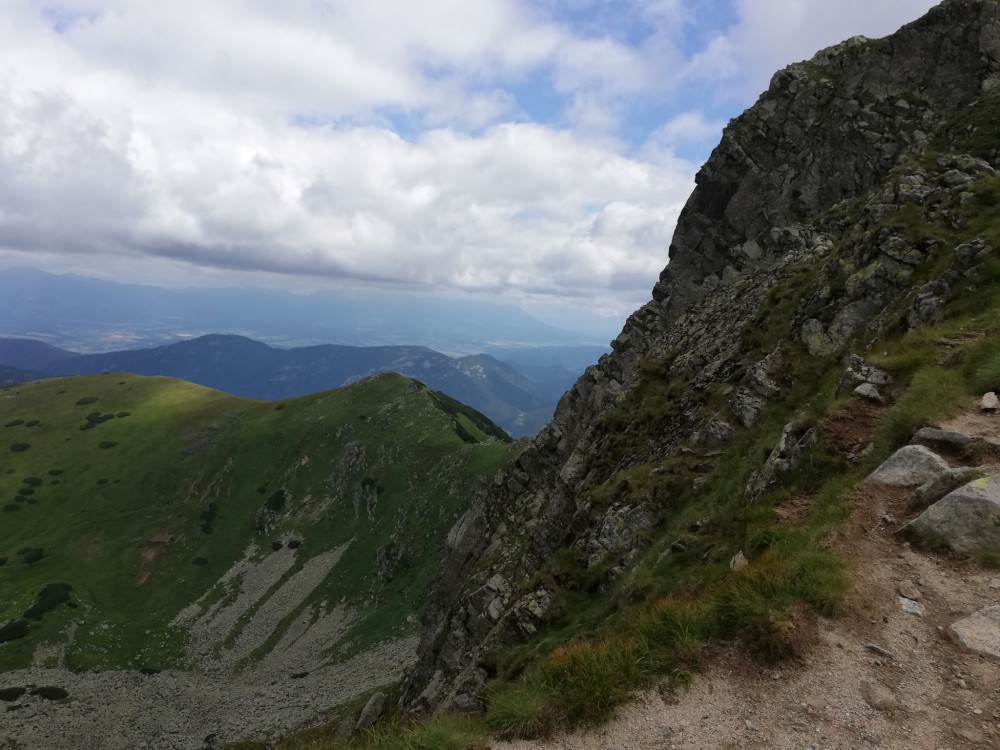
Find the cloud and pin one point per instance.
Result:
(382, 142)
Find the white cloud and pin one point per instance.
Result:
(382, 141)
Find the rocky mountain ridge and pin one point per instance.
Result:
(833, 212)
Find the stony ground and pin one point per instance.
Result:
(292, 685)
(175, 710)
(877, 677)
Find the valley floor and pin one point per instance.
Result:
(179, 710)
(877, 677)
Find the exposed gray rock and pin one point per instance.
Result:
(930, 436)
(967, 520)
(372, 711)
(739, 562)
(716, 433)
(859, 373)
(910, 465)
(618, 532)
(990, 402)
(757, 389)
(870, 392)
(933, 490)
(979, 633)
(912, 607)
(785, 456)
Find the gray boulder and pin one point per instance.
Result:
(372, 711)
(979, 633)
(930, 436)
(990, 402)
(935, 489)
(910, 465)
(967, 520)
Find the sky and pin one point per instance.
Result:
(530, 152)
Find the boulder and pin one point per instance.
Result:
(979, 633)
(870, 392)
(930, 436)
(910, 465)
(990, 402)
(372, 711)
(935, 489)
(967, 520)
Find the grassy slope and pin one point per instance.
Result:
(183, 448)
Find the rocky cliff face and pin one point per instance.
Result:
(803, 227)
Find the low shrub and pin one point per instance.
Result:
(33, 555)
(32, 481)
(48, 599)
(15, 423)
(11, 508)
(123, 414)
(200, 561)
(20, 447)
(12, 694)
(26, 491)
(87, 400)
(32, 423)
(14, 630)
(55, 472)
(106, 444)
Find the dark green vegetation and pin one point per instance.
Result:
(139, 515)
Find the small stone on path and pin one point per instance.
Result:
(911, 607)
(878, 696)
(990, 402)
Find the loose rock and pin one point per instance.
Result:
(372, 711)
(967, 520)
(979, 633)
(990, 402)
(910, 465)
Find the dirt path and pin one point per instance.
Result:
(879, 677)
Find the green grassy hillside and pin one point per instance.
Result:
(141, 493)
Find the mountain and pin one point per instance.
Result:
(779, 477)
(92, 315)
(14, 375)
(851, 210)
(259, 562)
(554, 369)
(251, 369)
(30, 355)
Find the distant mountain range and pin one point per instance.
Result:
(91, 315)
(248, 368)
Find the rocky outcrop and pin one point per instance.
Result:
(768, 221)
